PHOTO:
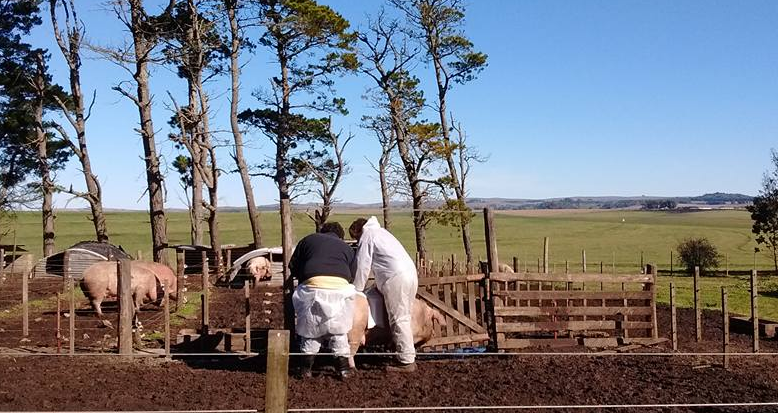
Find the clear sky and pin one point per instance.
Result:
(584, 98)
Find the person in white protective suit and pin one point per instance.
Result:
(379, 252)
(324, 298)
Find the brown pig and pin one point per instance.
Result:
(422, 318)
(164, 274)
(259, 267)
(100, 282)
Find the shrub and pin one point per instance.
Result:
(697, 252)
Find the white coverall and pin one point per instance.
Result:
(324, 316)
(395, 275)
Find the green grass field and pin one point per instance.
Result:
(604, 235)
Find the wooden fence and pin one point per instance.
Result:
(534, 309)
(461, 299)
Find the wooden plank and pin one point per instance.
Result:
(450, 279)
(572, 277)
(471, 292)
(447, 310)
(459, 339)
(652, 270)
(537, 342)
(460, 299)
(646, 341)
(569, 311)
(447, 301)
(435, 291)
(568, 325)
(600, 342)
(575, 295)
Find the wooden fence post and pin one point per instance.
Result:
(180, 266)
(671, 263)
(126, 306)
(287, 244)
(277, 377)
(204, 296)
(651, 269)
(25, 305)
(2, 263)
(673, 319)
(516, 265)
(545, 255)
(539, 268)
(697, 307)
(247, 295)
(583, 260)
(725, 329)
(754, 311)
(492, 262)
(59, 322)
(72, 318)
(167, 321)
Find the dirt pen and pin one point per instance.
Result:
(512, 342)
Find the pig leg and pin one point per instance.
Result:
(96, 305)
(356, 336)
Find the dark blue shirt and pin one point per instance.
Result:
(322, 254)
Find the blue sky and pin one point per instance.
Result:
(584, 98)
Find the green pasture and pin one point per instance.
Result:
(604, 235)
(607, 236)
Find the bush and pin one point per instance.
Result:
(697, 252)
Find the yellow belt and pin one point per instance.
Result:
(328, 282)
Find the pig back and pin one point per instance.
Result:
(163, 273)
(100, 280)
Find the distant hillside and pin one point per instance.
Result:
(717, 199)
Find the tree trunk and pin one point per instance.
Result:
(240, 160)
(94, 191)
(47, 186)
(72, 53)
(384, 192)
(155, 180)
(209, 157)
(196, 208)
(419, 224)
(464, 221)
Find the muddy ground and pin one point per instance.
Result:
(102, 383)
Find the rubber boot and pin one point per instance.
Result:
(344, 370)
(306, 366)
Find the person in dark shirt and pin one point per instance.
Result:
(324, 298)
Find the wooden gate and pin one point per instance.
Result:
(557, 309)
(461, 299)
